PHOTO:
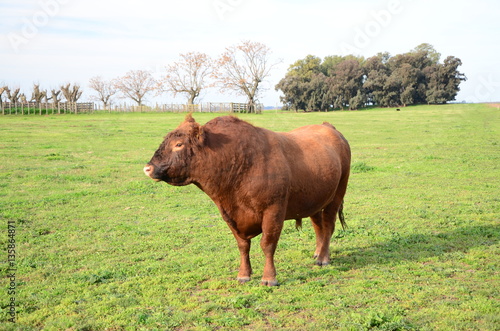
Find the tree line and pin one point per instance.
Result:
(38, 95)
(351, 82)
(310, 84)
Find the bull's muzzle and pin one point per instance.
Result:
(149, 170)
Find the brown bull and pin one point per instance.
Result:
(260, 178)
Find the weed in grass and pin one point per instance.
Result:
(359, 167)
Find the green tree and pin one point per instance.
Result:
(345, 81)
(377, 74)
(306, 68)
(293, 88)
(303, 85)
(443, 80)
(317, 94)
(424, 55)
(406, 80)
(349, 81)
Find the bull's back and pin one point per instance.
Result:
(320, 159)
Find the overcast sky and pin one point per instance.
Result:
(52, 42)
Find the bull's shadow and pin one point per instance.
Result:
(415, 247)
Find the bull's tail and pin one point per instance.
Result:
(341, 216)
(298, 221)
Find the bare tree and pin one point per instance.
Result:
(188, 76)
(13, 96)
(104, 89)
(55, 97)
(136, 84)
(242, 68)
(37, 95)
(2, 90)
(71, 94)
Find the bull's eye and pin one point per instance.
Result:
(178, 146)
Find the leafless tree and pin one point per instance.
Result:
(13, 96)
(188, 75)
(242, 68)
(2, 90)
(136, 84)
(55, 97)
(71, 94)
(105, 90)
(38, 95)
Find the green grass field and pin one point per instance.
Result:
(99, 246)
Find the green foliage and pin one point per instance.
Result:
(361, 167)
(352, 82)
(102, 247)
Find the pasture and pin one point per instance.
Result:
(99, 246)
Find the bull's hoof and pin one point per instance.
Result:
(322, 263)
(270, 283)
(243, 280)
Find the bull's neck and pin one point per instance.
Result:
(217, 173)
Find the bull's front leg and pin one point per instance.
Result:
(245, 268)
(272, 224)
(243, 245)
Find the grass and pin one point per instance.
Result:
(101, 247)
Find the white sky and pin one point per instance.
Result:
(53, 42)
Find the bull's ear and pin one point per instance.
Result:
(201, 135)
(197, 134)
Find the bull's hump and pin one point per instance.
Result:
(225, 121)
(231, 126)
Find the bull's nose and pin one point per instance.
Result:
(148, 170)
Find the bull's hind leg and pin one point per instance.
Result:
(324, 226)
(317, 222)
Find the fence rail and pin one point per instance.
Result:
(208, 107)
(47, 108)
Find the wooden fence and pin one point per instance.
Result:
(45, 108)
(208, 107)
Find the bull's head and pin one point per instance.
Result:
(172, 161)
